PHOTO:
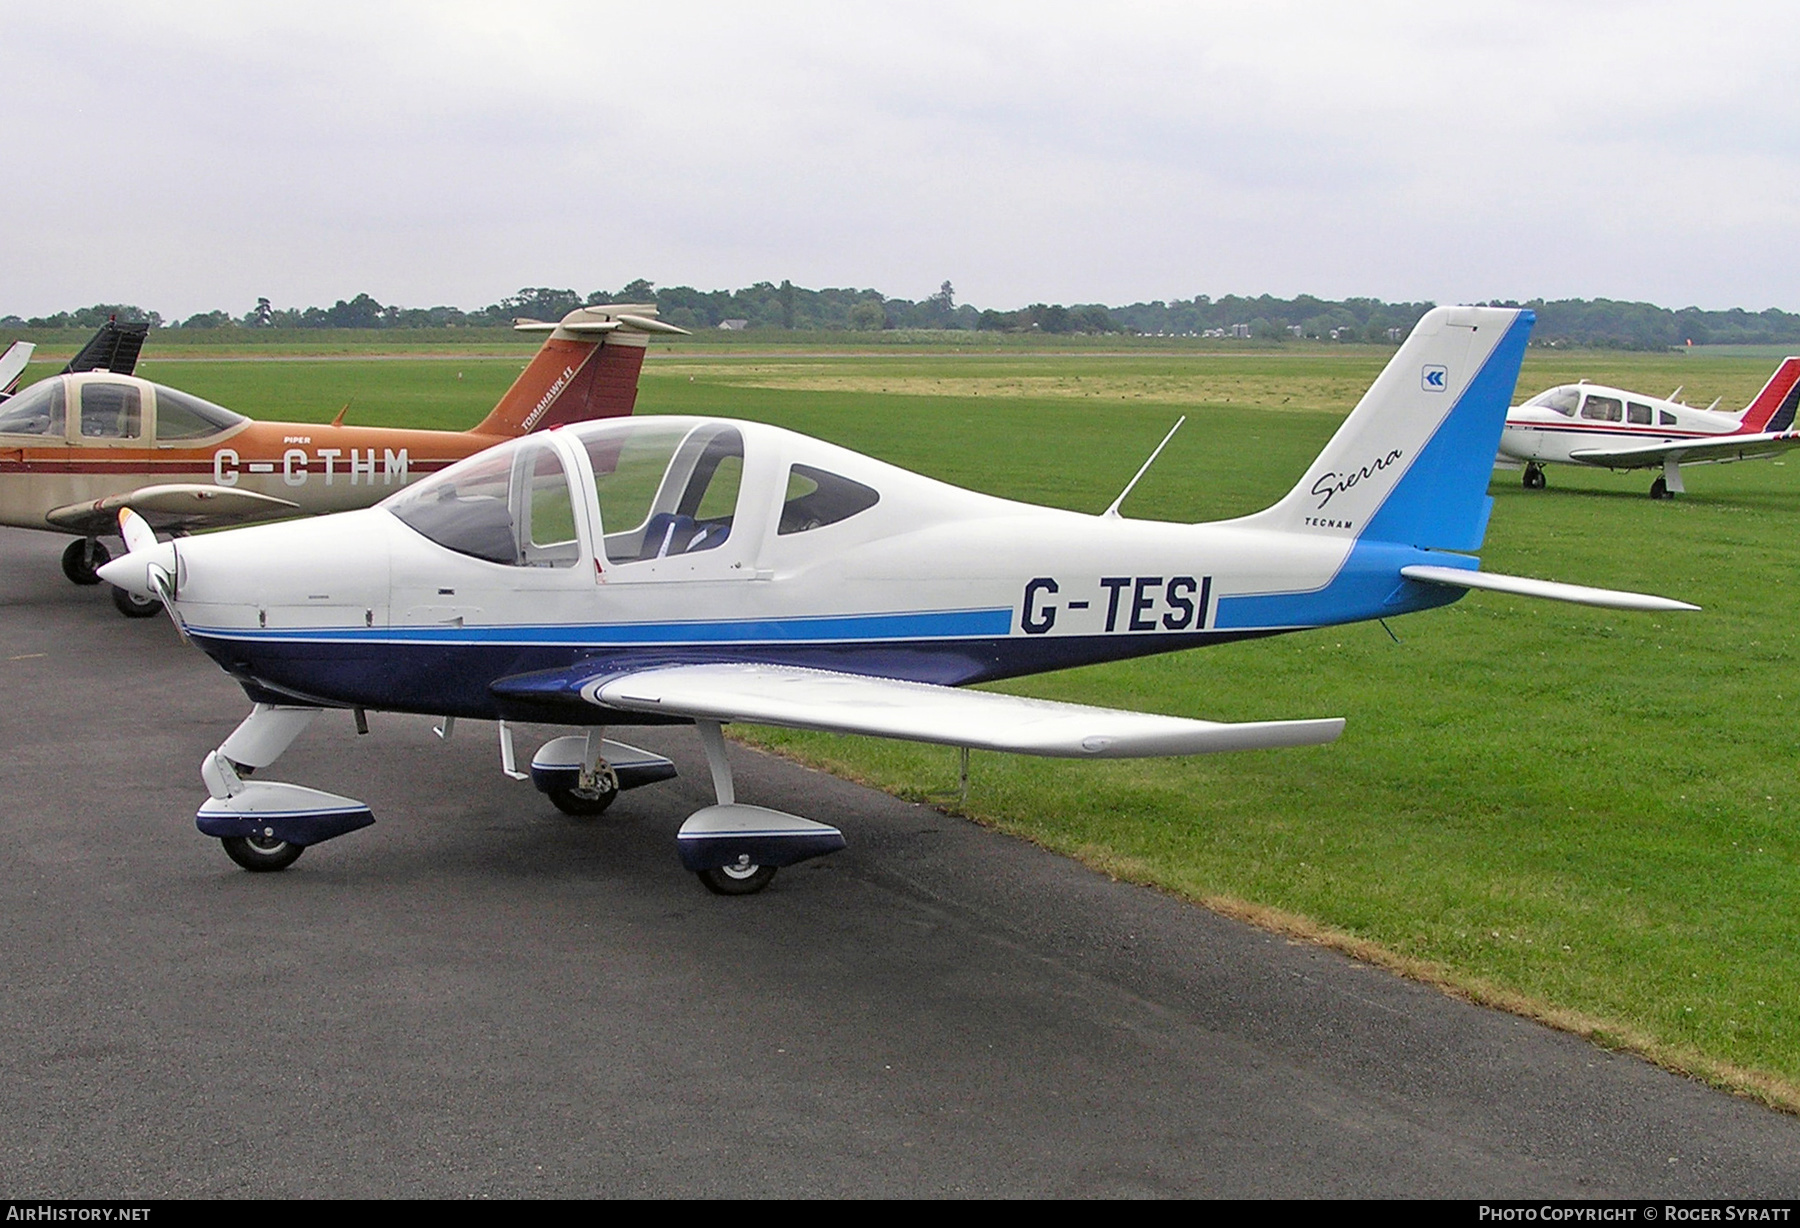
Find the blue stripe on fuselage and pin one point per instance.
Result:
(944, 624)
(1368, 585)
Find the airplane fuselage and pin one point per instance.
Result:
(928, 582)
(314, 466)
(1555, 425)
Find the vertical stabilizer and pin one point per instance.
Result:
(1773, 408)
(588, 368)
(1411, 463)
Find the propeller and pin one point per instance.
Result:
(148, 568)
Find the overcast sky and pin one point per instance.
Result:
(192, 156)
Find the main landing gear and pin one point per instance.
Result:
(1534, 476)
(1669, 484)
(83, 559)
(262, 853)
(264, 825)
(736, 849)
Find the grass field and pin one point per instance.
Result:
(1583, 815)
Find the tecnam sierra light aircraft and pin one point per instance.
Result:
(660, 570)
(1588, 424)
(78, 446)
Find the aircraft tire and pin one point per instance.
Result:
(75, 563)
(583, 803)
(1534, 478)
(1659, 489)
(135, 607)
(737, 880)
(260, 855)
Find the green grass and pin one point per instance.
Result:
(1587, 815)
(1593, 817)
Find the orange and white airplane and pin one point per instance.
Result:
(78, 446)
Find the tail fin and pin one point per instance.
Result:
(1773, 408)
(114, 348)
(588, 368)
(1411, 463)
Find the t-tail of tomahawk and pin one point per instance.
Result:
(1406, 475)
(588, 368)
(1773, 409)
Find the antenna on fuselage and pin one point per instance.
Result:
(1113, 511)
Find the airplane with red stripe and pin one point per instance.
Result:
(78, 446)
(1590, 424)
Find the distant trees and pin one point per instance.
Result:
(784, 305)
(89, 317)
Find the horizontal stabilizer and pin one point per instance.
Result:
(177, 506)
(1580, 594)
(12, 365)
(921, 712)
(114, 348)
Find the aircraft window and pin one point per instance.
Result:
(180, 416)
(1638, 415)
(1603, 409)
(111, 411)
(665, 488)
(36, 411)
(1665, 418)
(510, 505)
(816, 498)
(1562, 400)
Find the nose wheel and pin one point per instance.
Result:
(1534, 477)
(133, 606)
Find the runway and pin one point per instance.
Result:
(479, 997)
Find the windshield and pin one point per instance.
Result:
(509, 505)
(36, 411)
(1562, 400)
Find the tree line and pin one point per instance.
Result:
(768, 305)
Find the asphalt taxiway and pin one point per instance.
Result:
(481, 997)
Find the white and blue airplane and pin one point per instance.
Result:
(676, 570)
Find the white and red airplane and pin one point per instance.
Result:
(1589, 424)
(673, 570)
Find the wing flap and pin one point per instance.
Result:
(1718, 450)
(174, 506)
(1580, 594)
(799, 698)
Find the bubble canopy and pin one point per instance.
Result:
(658, 487)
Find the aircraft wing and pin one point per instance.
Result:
(799, 698)
(1716, 450)
(174, 506)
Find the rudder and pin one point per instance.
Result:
(1773, 408)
